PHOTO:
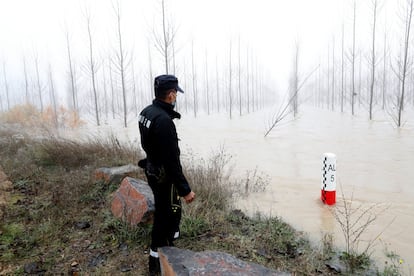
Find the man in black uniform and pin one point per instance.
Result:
(162, 165)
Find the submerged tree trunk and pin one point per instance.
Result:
(410, 4)
(294, 82)
(230, 88)
(248, 81)
(194, 80)
(333, 75)
(342, 69)
(217, 87)
(113, 98)
(384, 70)
(239, 79)
(353, 62)
(373, 58)
(207, 85)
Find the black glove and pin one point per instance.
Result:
(142, 163)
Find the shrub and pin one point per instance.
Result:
(28, 116)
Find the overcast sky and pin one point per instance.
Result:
(269, 28)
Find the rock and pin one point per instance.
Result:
(123, 247)
(74, 263)
(115, 175)
(33, 269)
(336, 266)
(126, 268)
(178, 262)
(82, 225)
(99, 259)
(133, 202)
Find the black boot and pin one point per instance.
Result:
(154, 266)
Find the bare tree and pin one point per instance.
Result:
(174, 65)
(93, 68)
(207, 84)
(230, 77)
(150, 71)
(6, 85)
(284, 109)
(405, 63)
(328, 79)
(384, 71)
(248, 81)
(105, 90)
(111, 81)
(217, 86)
(72, 74)
(164, 43)
(342, 67)
(185, 88)
(256, 85)
(333, 74)
(353, 60)
(121, 62)
(38, 82)
(239, 78)
(26, 80)
(294, 80)
(252, 82)
(1, 103)
(52, 95)
(359, 89)
(194, 80)
(360, 81)
(134, 90)
(373, 60)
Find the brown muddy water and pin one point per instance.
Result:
(375, 165)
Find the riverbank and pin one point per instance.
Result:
(58, 219)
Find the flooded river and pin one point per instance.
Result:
(375, 165)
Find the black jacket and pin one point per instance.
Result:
(160, 142)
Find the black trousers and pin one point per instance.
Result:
(167, 215)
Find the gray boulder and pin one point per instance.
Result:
(175, 261)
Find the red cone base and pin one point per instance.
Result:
(328, 197)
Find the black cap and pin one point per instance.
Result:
(166, 82)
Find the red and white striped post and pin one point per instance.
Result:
(328, 189)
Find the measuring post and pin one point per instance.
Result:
(328, 189)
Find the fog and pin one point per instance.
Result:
(240, 64)
(264, 32)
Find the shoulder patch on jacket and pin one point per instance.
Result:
(144, 121)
